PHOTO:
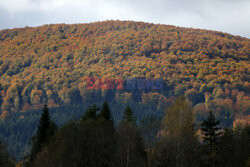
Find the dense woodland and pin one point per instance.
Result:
(50, 64)
(94, 140)
(17, 129)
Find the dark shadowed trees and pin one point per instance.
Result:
(5, 159)
(234, 147)
(150, 126)
(94, 141)
(89, 141)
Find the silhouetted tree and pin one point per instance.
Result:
(45, 131)
(210, 130)
(211, 136)
(131, 150)
(106, 113)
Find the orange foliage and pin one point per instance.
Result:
(44, 64)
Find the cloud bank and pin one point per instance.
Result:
(231, 16)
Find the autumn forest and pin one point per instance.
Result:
(205, 72)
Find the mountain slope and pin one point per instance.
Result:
(50, 64)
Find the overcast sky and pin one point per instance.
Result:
(231, 16)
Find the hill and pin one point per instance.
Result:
(51, 64)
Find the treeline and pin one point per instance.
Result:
(94, 140)
(18, 127)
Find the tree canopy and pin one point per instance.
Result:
(51, 63)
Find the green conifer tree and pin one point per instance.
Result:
(105, 112)
(128, 116)
(210, 130)
(211, 136)
(131, 150)
(45, 131)
(91, 112)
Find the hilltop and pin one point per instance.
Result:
(51, 63)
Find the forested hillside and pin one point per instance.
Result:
(50, 64)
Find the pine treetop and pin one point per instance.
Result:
(128, 116)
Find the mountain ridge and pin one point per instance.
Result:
(131, 21)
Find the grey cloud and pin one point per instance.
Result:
(223, 15)
(230, 16)
(20, 19)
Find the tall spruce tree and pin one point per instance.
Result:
(131, 150)
(210, 130)
(211, 136)
(45, 131)
(106, 113)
